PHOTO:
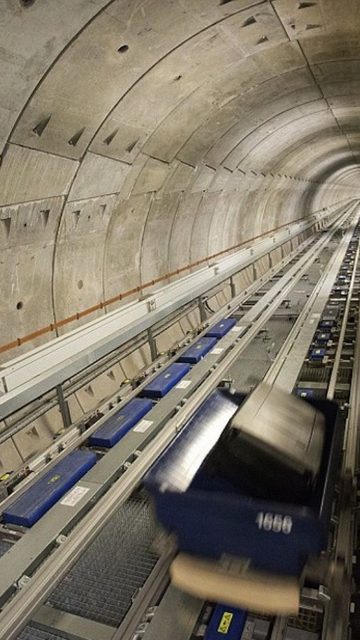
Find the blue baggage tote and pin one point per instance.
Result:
(197, 351)
(327, 324)
(226, 623)
(317, 354)
(305, 393)
(120, 423)
(211, 517)
(220, 329)
(163, 383)
(39, 498)
(322, 338)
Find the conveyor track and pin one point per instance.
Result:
(68, 597)
(77, 434)
(311, 623)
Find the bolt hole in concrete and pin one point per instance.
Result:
(123, 48)
(27, 3)
(80, 284)
(19, 306)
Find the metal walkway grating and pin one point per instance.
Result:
(315, 373)
(103, 582)
(307, 620)
(32, 633)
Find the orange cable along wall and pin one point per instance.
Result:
(100, 305)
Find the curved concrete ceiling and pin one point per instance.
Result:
(139, 136)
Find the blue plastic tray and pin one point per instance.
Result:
(42, 495)
(322, 338)
(220, 329)
(161, 385)
(198, 350)
(226, 622)
(210, 517)
(305, 393)
(317, 354)
(120, 423)
(327, 324)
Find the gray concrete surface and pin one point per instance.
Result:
(138, 136)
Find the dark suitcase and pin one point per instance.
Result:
(272, 447)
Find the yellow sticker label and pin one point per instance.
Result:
(225, 622)
(53, 479)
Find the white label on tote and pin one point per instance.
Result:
(184, 384)
(143, 426)
(74, 496)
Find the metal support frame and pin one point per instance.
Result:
(202, 310)
(152, 345)
(63, 406)
(254, 271)
(336, 366)
(75, 436)
(292, 354)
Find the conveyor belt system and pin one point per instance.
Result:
(313, 623)
(331, 620)
(76, 433)
(119, 558)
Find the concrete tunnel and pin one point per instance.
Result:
(143, 137)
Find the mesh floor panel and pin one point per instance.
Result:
(102, 583)
(32, 633)
(307, 620)
(4, 547)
